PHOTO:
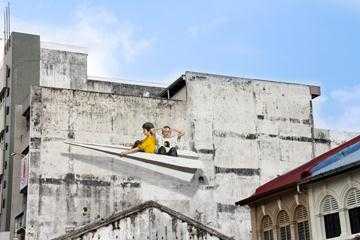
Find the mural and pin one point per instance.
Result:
(184, 167)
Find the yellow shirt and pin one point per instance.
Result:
(148, 145)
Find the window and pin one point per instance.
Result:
(7, 71)
(267, 228)
(330, 212)
(353, 206)
(283, 226)
(301, 218)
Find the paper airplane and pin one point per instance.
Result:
(183, 167)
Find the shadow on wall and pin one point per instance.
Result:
(125, 169)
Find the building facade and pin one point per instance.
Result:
(334, 195)
(318, 200)
(246, 132)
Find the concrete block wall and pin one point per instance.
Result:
(122, 88)
(69, 186)
(250, 131)
(62, 69)
(326, 139)
(149, 220)
(246, 132)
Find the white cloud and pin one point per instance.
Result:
(345, 109)
(110, 42)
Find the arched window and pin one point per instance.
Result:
(353, 206)
(283, 222)
(301, 219)
(330, 212)
(267, 230)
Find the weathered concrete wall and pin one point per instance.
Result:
(63, 69)
(20, 142)
(151, 224)
(22, 59)
(149, 220)
(250, 131)
(328, 139)
(245, 131)
(69, 186)
(181, 94)
(123, 88)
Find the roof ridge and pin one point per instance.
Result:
(139, 208)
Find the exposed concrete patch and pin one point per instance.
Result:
(238, 171)
(226, 208)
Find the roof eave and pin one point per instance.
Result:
(173, 88)
(331, 173)
(255, 198)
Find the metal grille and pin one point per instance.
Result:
(268, 235)
(301, 214)
(303, 230)
(329, 204)
(283, 218)
(353, 198)
(266, 223)
(284, 233)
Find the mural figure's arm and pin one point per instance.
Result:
(179, 132)
(137, 149)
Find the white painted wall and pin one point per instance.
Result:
(245, 131)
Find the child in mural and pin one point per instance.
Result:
(148, 144)
(167, 141)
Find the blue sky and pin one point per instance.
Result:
(303, 41)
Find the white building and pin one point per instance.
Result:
(334, 195)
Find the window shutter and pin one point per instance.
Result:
(353, 198)
(329, 204)
(267, 228)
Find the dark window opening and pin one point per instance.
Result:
(7, 110)
(284, 233)
(268, 235)
(2, 135)
(303, 230)
(354, 216)
(332, 225)
(7, 71)
(3, 203)
(8, 92)
(25, 151)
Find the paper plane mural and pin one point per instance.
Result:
(183, 167)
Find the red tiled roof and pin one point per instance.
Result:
(291, 178)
